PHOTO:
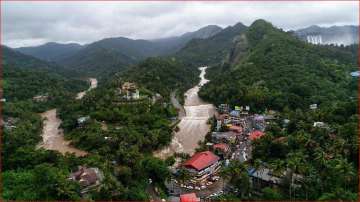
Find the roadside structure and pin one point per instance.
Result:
(256, 134)
(202, 165)
(190, 197)
(88, 178)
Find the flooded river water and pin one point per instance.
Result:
(93, 84)
(53, 135)
(193, 126)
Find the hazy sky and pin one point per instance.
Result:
(34, 23)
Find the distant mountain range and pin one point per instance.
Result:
(339, 35)
(113, 54)
(51, 51)
(208, 45)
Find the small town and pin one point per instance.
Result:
(231, 137)
(179, 101)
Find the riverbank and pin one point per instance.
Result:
(93, 84)
(193, 126)
(53, 135)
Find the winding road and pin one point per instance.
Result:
(193, 126)
(53, 135)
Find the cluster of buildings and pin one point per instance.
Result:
(230, 140)
(41, 98)
(88, 178)
(129, 91)
(8, 123)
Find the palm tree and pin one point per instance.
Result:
(236, 172)
(183, 176)
(296, 164)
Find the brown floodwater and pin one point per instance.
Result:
(93, 84)
(53, 135)
(193, 126)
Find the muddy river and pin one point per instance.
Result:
(93, 84)
(53, 135)
(193, 126)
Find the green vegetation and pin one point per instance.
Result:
(132, 132)
(211, 50)
(259, 66)
(162, 76)
(29, 173)
(278, 71)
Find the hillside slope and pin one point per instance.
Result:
(212, 50)
(276, 70)
(26, 77)
(51, 51)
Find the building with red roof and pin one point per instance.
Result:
(256, 134)
(190, 197)
(202, 164)
(237, 129)
(222, 147)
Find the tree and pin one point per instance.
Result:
(237, 173)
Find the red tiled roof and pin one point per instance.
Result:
(255, 135)
(201, 160)
(237, 129)
(221, 146)
(190, 197)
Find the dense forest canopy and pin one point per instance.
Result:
(275, 70)
(162, 75)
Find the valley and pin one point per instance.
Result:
(193, 126)
(244, 112)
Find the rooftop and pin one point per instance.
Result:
(255, 134)
(190, 197)
(201, 160)
(222, 146)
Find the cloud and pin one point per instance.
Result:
(34, 23)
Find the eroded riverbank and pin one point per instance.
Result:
(193, 126)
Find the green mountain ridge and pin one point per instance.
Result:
(279, 67)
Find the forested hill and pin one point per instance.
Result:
(51, 51)
(25, 77)
(162, 75)
(213, 50)
(273, 69)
